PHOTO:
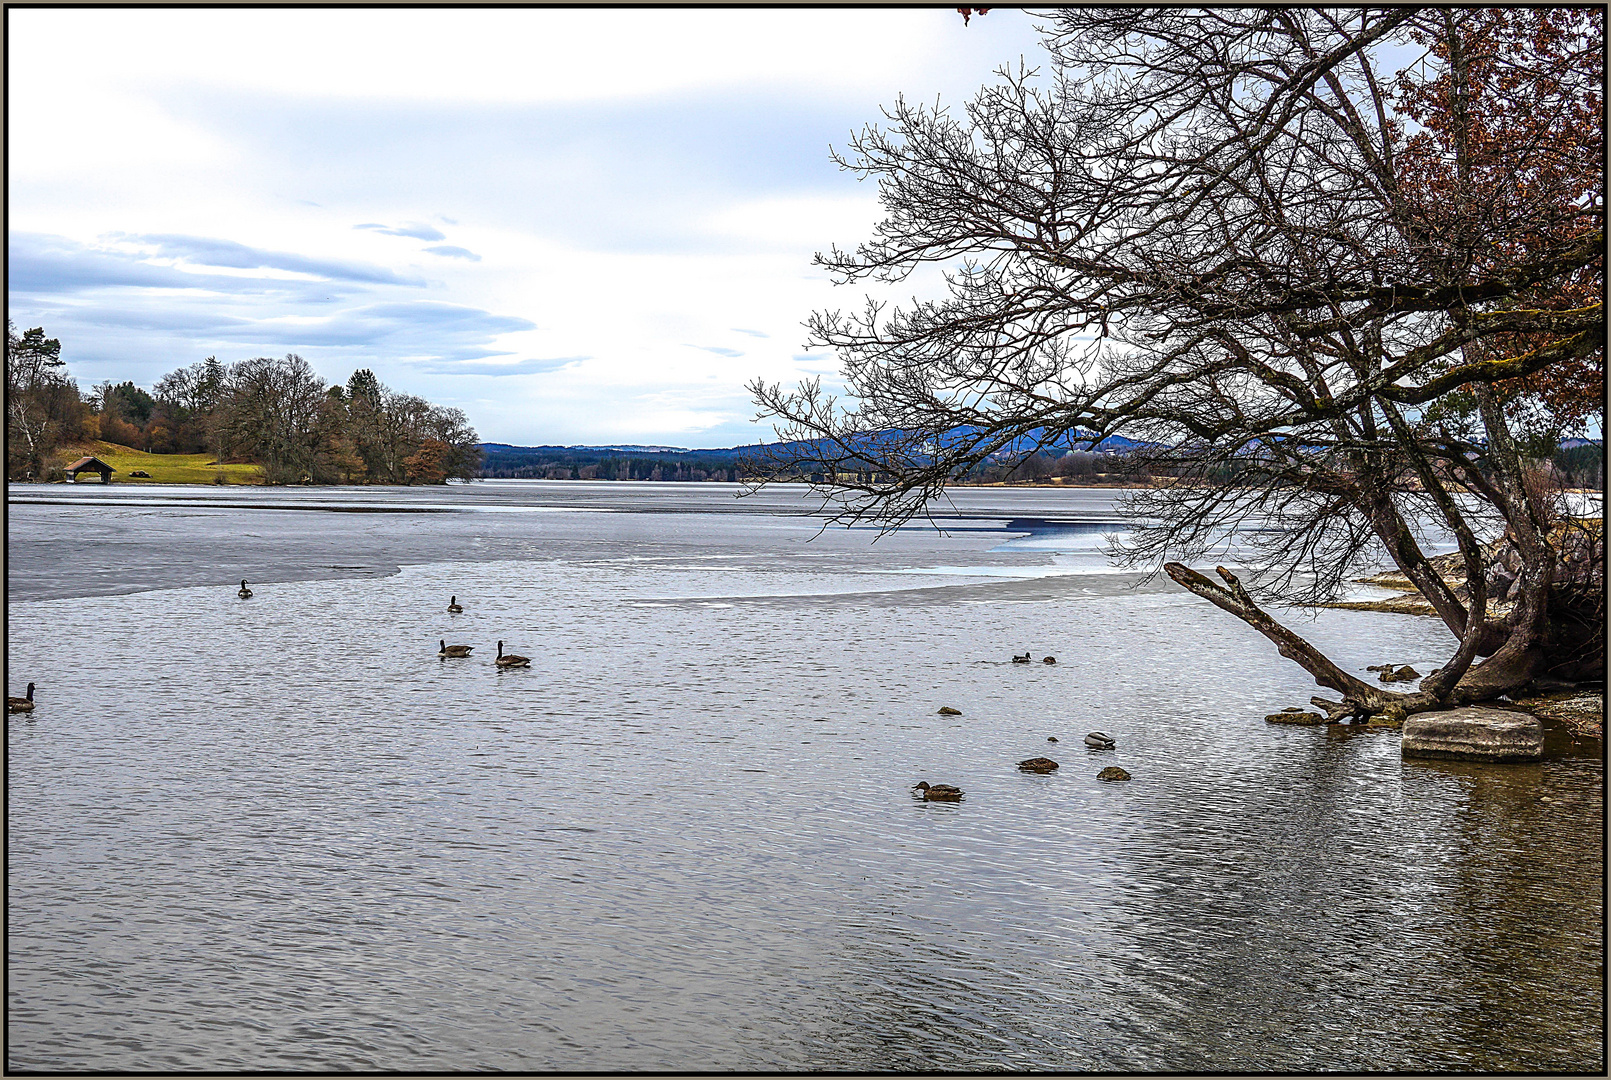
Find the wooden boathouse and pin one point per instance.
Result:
(89, 464)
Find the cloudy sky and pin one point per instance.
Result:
(578, 226)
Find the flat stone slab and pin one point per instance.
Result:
(1474, 733)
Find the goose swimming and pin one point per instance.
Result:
(454, 650)
(244, 593)
(511, 660)
(21, 704)
(453, 606)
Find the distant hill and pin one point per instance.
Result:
(632, 461)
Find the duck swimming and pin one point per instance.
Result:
(455, 650)
(937, 792)
(1098, 741)
(1024, 659)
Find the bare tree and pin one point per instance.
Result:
(272, 414)
(460, 452)
(1330, 296)
(186, 400)
(388, 429)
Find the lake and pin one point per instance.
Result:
(283, 834)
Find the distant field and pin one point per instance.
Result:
(164, 468)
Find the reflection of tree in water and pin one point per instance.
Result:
(1521, 948)
(1383, 920)
(1258, 904)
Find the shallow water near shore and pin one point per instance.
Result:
(282, 834)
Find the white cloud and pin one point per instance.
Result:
(476, 54)
(415, 230)
(604, 189)
(797, 223)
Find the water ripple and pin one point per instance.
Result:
(284, 835)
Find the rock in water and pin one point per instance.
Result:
(1474, 733)
(1113, 772)
(1300, 717)
(946, 710)
(1038, 764)
(1403, 674)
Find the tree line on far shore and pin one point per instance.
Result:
(276, 413)
(503, 462)
(1575, 464)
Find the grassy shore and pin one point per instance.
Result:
(163, 468)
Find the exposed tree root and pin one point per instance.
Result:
(1506, 670)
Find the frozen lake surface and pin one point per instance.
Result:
(282, 834)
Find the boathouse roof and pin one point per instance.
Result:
(90, 463)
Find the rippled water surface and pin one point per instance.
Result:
(283, 834)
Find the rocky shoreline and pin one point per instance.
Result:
(1578, 708)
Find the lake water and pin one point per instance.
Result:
(282, 834)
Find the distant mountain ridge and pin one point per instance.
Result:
(645, 461)
(1116, 444)
(636, 448)
(1111, 444)
(638, 461)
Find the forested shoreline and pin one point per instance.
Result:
(278, 414)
